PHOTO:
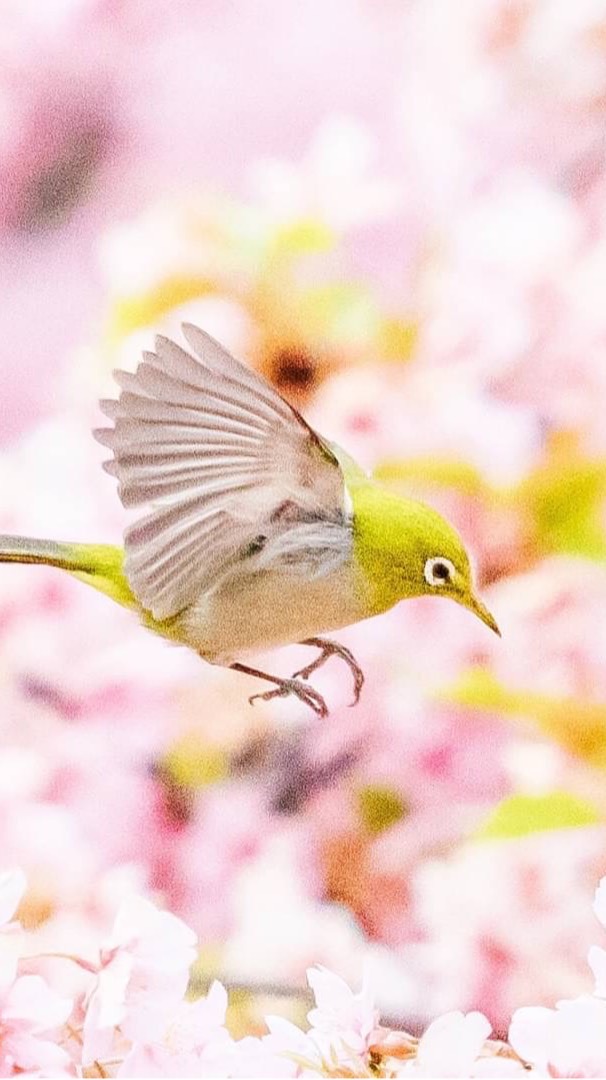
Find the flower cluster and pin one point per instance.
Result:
(132, 1017)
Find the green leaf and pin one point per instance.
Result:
(131, 312)
(191, 763)
(305, 236)
(341, 312)
(578, 724)
(521, 815)
(565, 496)
(448, 473)
(380, 807)
(397, 338)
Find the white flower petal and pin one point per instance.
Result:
(8, 973)
(157, 938)
(578, 1046)
(530, 1034)
(331, 992)
(452, 1043)
(597, 962)
(497, 1067)
(599, 903)
(31, 1000)
(13, 884)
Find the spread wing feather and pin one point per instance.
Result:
(215, 454)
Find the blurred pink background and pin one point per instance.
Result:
(397, 212)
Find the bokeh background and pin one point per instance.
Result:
(397, 211)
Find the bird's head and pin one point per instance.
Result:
(443, 568)
(409, 550)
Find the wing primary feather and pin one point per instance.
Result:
(147, 529)
(110, 408)
(168, 586)
(131, 404)
(158, 384)
(136, 467)
(138, 494)
(150, 486)
(172, 360)
(214, 357)
(166, 567)
(105, 436)
(145, 561)
(189, 551)
(183, 368)
(128, 381)
(213, 451)
(138, 432)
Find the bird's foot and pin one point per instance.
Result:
(328, 649)
(304, 693)
(284, 688)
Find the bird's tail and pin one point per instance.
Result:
(99, 565)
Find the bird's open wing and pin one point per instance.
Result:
(220, 460)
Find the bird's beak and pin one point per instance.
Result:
(480, 609)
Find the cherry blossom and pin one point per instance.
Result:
(566, 1041)
(12, 887)
(30, 1011)
(451, 1045)
(338, 1011)
(191, 1041)
(144, 973)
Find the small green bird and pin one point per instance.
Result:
(258, 531)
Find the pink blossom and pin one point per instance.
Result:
(462, 917)
(29, 1009)
(597, 955)
(144, 973)
(273, 1055)
(298, 1053)
(597, 962)
(333, 184)
(551, 613)
(12, 887)
(451, 1045)
(288, 1044)
(30, 1016)
(496, 1065)
(191, 1041)
(339, 1012)
(569, 1040)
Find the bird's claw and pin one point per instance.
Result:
(300, 689)
(304, 693)
(328, 649)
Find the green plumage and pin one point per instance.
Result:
(99, 565)
(393, 538)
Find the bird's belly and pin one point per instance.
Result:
(263, 610)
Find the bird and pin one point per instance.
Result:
(253, 531)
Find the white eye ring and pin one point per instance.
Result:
(439, 571)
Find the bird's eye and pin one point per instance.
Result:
(439, 571)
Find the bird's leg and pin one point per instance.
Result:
(284, 687)
(332, 648)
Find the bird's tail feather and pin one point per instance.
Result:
(99, 565)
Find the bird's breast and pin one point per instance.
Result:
(268, 609)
